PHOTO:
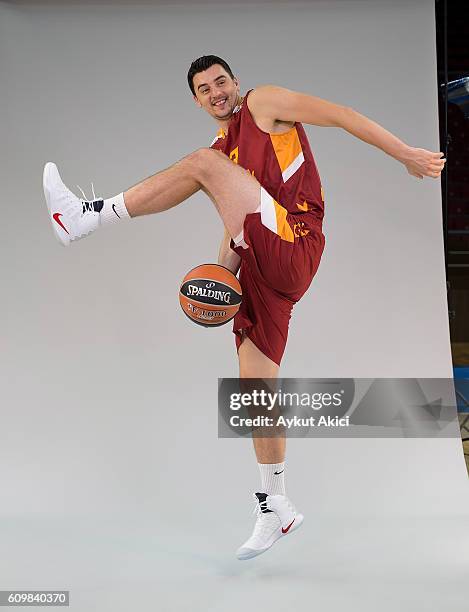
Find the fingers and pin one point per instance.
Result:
(437, 159)
(433, 173)
(435, 156)
(436, 169)
(427, 163)
(430, 162)
(436, 166)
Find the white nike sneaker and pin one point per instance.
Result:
(276, 517)
(71, 217)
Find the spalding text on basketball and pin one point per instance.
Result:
(222, 296)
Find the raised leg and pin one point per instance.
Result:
(234, 191)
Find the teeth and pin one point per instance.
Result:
(220, 102)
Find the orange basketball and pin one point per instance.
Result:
(210, 295)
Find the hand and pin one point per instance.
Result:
(228, 258)
(420, 163)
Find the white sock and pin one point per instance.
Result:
(114, 210)
(272, 478)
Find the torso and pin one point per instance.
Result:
(278, 154)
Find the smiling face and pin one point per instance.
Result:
(216, 92)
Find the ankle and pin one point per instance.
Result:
(114, 210)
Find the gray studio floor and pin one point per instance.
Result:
(366, 564)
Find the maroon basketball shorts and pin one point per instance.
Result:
(280, 254)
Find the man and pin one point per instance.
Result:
(271, 203)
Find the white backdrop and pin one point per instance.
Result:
(109, 393)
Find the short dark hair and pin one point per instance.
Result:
(203, 63)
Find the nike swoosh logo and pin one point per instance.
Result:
(56, 217)
(287, 529)
(114, 209)
(279, 472)
(303, 206)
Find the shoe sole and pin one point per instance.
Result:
(278, 535)
(63, 239)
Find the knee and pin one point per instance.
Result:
(253, 363)
(203, 156)
(203, 159)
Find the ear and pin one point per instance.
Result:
(197, 101)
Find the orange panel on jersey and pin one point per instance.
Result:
(287, 147)
(284, 229)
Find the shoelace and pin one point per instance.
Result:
(88, 204)
(259, 506)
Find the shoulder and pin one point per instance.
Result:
(261, 97)
(265, 105)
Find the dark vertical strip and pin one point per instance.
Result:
(445, 203)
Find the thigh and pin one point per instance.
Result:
(263, 318)
(287, 267)
(233, 190)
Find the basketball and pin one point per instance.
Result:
(210, 295)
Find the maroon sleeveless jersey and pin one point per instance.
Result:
(284, 166)
(280, 248)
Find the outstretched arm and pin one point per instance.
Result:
(281, 104)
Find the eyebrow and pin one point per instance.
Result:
(222, 76)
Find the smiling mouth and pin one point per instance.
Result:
(220, 102)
